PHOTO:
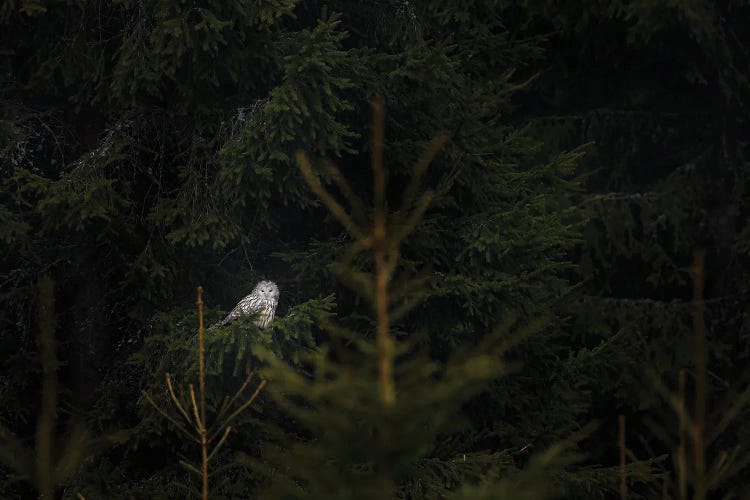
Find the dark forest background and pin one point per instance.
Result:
(148, 147)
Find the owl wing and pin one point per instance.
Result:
(245, 306)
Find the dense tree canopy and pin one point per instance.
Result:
(551, 169)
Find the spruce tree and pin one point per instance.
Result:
(377, 407)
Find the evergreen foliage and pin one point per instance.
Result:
(588, 149)
(668, 174)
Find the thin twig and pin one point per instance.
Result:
(701, 386)
(45, 426)
(335, 173)
(336, 209)
(239, 391)
(202, 389)
(223, 407)
(246, 405)
(220, 443)
(623, 471)
(167, 416)
(682, 450)
(419, 170)
(174, 397)
(195, 406)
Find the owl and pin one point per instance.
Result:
(262, 300)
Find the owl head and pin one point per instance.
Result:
(267, 291)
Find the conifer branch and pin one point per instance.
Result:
(46, 423)
(168, 416)
(198, 419)
(701, 385)
(682, 450)
(201, 358)
(378, 133)
(674, 400)
(174, 397)
(220, 443)
(728, 416)
(190, 467)
(247, 403)
(223, 407)
(416, 214)
(237, 394)
(334, 173)
(336, 209)
(195, 408)
(623, 469)
(436, 144)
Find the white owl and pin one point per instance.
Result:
(262, 300)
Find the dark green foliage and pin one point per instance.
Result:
(662, 91)
(54, 458)
(148, 146)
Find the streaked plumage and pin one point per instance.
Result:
(263, 300)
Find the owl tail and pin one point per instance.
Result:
(223, 322)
